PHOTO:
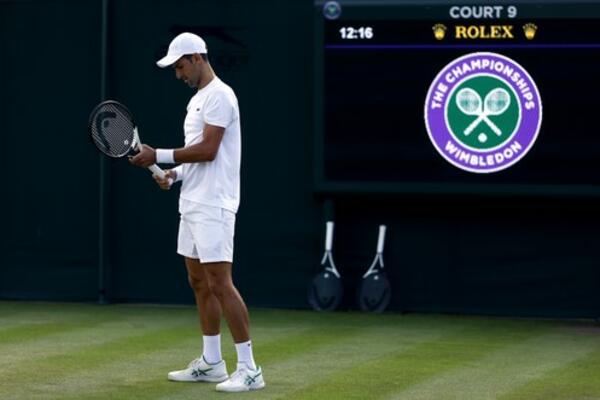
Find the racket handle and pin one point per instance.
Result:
(156, 170)
(329, 236)
(381, 238)
(493, 126)
(473, 124)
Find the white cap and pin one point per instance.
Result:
(184, 44)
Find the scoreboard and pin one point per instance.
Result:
(457, 98)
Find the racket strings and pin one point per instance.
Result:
(497, 101)
(468, 101)
(112, 130)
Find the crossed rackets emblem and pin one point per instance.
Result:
(496, 102)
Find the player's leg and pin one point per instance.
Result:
(247, 375)
(209, 310)
(213, 234)
(232, 304)
(209, 367)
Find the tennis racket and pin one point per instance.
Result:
(496, 102)
(115, 133)
(374, 291)
(325, 291)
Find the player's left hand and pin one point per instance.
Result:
(145, 158)
(167, 182)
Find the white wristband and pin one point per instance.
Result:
(165, 156)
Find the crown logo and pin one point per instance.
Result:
(439, 31)
(530, 30)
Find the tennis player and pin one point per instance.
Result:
(210, 194)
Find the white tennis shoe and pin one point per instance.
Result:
(243, 380)
(200, 371)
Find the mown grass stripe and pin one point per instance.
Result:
(575, 380)
(33, 331)
(502, 370)
(76, 334)
(50, 370)
(399, 368)
(57, 343)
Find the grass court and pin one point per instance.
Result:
(85, 351)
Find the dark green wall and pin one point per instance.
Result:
(51, 81)
(474, 254)
(48, 81)
(263, 50)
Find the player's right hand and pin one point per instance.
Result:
(167, 182)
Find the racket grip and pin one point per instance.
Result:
(329, 236)
(156, 170)
(381, 238)
(473, 125)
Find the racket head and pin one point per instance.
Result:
(497, 101)
(111, 128)
(468, 101)
(325, 291)
(374, 292)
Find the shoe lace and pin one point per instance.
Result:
(238, 376)
(194, 362)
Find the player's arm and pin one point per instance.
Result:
(219, 112)
(206, 150)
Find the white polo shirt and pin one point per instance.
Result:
(215, 183)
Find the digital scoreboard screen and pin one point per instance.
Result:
(440, 97)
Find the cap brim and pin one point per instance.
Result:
(167, 60)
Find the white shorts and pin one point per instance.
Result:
(205, 232)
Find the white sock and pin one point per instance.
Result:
(212, 349)
(244, 353)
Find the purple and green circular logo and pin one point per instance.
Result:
(483, 112)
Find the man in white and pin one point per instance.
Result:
(209, 199)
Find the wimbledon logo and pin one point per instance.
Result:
(483, 112)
